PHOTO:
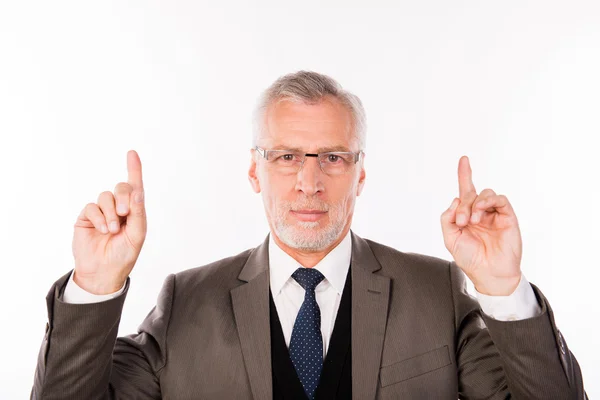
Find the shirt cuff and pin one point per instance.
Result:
(520, 304)
(76, 295)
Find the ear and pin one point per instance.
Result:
(361, 178)
(252, 177)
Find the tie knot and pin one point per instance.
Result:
(308, 278)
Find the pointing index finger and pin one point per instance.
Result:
(134, 170)
(465, 181)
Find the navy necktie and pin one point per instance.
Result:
(306, 344)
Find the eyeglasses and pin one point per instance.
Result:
(290, 162)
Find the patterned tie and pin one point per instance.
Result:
(306, 344)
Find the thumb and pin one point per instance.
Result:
(448, 220)
(136, 219)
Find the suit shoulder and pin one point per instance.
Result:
(223, 272)
(394, 261)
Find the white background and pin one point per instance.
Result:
(513, 85)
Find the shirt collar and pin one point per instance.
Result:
(334, 266)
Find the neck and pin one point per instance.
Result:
(307, 258)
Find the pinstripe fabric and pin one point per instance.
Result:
(416, 334)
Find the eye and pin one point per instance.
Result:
(334, 158)
(287, 158)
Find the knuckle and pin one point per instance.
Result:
(104, 196)
(139, 212)
(106, 201)
(122, 194)
(467, 200)
(479, 202)
(96, 217)
(122, 188)
(95, 214)
(91, 209)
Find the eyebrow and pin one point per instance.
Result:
(319, 150)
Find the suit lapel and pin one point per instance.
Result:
(250, 303)
(370, 299)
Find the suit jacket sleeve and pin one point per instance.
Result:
(82, 358)
(525, 359)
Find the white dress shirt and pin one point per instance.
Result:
(288, 295)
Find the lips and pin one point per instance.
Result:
(308, 215)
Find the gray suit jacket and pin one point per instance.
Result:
(416, 334)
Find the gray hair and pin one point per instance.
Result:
(310, 87)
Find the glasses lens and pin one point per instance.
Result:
(336, 163)
(285, 161)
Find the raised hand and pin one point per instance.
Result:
(482, 234)
(109, 235)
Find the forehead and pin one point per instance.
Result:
(308, 126)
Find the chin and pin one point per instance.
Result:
(308, 235)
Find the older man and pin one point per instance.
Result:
(315, 311)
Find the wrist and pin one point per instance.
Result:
(98, 285)
(492, 286)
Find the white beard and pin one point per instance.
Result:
(306, 235)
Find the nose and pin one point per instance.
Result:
(309, 178)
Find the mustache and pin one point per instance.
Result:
(311, 205)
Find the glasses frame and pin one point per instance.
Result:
(265, 154)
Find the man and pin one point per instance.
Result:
(315, 311)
